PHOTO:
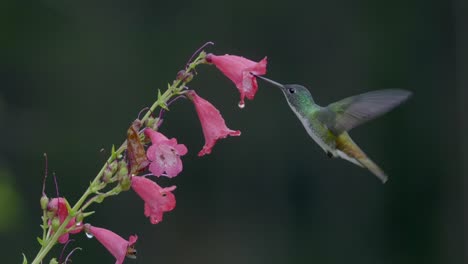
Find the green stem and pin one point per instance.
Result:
(174, 89)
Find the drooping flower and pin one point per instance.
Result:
(157, 200)
(164, 154)
(59, 208)
(116, 245)
(212, 122)
(239, 70)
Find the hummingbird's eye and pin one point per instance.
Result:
(292, 90)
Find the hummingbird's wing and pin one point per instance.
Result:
(350, 112)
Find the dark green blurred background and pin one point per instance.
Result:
(74, 74)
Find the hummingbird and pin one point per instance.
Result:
(329, 125)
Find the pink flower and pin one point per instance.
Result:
(238, 69)
(116, 245)
(157, 199)
(164, 154)
(59, 207)
(212, 122)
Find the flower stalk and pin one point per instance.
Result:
(146, 149)
(175, 89)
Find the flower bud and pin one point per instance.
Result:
(53, 261)
(44, 202)
(184, 76)
(110, 170)
(125, 183)
(113, 166)
(99, 198)
(123, 170)
(55, 223)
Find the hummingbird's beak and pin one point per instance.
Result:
(269, 81)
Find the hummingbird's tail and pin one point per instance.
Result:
(346, 147)
(374, 168)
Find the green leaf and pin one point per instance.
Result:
(40, 241)
(25, 260)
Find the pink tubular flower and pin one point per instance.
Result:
(239, 70)
(116, 245)
(212, 122)
(58, 206)
(157, 200)
(164, 154)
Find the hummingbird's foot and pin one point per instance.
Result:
(329, 154)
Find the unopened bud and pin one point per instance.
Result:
(184, 76)
(123, 170)
(44, 202)
(53, 261)
(55, 223)
(99, 199)
(113, 166)
(110, 170)
(125, 183)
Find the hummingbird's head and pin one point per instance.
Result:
(297, 95)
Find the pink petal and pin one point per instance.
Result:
(156, 169)
(175, 169)
(212, 122)
(238, 70)
(164, 154)
(63, 238)
(181, 149)
(157, 200)
(60, 209)
(115, 244)
(151, 153)
(155, 136)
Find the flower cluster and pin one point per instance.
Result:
(149, 151)
(58, 209)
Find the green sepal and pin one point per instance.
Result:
(164, 106)
(113, 153)
(53, 261)
(202, 55)
(159, 94)
(25, 260)
(87, 214)
(41, 242)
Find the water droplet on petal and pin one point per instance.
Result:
(241, 105)
(79, 224)
(89, 235)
